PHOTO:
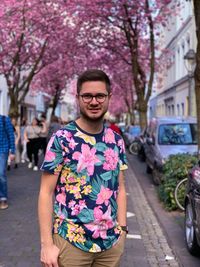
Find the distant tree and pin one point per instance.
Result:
(128, 29)
(33, 34)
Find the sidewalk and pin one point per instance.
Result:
(19, 236)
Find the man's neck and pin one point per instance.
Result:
(93, 127)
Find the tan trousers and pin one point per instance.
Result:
(70, 256)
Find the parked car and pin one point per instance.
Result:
(192, 211)
(168, 136)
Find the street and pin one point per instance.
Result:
(155, 236)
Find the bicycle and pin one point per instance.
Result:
(179, 193)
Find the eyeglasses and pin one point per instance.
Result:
(100, 98)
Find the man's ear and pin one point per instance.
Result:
(110, 96)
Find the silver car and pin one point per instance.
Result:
(168, 136)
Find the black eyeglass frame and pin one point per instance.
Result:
(101, 101)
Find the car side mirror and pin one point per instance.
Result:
(150, 141)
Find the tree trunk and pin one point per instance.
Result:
(197, 70)
(14, 109)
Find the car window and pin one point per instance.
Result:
(177, 134)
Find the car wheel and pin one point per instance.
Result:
(190, 235)
(134, 148)
(148, 169)
(141, 154)
(157, 176)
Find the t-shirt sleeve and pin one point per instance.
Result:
(53, 160)
(122, 155)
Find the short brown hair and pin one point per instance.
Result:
(93, 75)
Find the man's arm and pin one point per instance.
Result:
(121, 200)
(10, 135)
(49, 252)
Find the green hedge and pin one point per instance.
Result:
(175, 169)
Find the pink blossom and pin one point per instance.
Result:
(72, 143)
(112, 159)
(104, 196)
(78, 207)
(86, 159)
(61, 197)
(50, 142)
(68, 135)
(71, 203)
(59, 133)
(110, 136)
(102, 222)
(121, 145)
(50, 156)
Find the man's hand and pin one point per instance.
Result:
(49, 255)
(12, 157)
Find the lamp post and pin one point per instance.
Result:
(190, 62)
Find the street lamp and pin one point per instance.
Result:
(190, 62)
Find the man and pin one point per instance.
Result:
(84, 166)
(7, 145)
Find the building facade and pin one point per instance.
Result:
(176, 96)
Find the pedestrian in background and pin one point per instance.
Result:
(114, 126)
(17, 134)
(54, 126)
(7, 149)
(43, 135)
(84, 166)
(32, 137)
(23, 141)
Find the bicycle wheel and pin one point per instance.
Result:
(179, 193)
(134, 148)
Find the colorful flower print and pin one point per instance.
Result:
(95, 248)
(87, 186)
(104, 196)
(109, 136)
(61, 197)
(87, 138)
(86, 159)
(102, 222)
(75, 233)
(112, 159)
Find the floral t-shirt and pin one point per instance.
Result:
(88, 166)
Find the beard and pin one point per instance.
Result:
(91, 118)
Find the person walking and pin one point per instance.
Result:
(17, 134)
(7, 149)
(31, 135)
(54, 126)
(84, 166)
(24, 157)
(43, 135)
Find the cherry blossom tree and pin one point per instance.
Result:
(128, 29)
(33, 35)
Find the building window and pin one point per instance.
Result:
(188, 42)
(182, 109)
(178, 110)
(169, 110)
(172, 110)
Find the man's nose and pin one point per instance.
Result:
(94, 101)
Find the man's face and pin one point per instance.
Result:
(92, 108)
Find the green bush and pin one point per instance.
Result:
(175, 169)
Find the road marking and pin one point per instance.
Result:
(130, 214)
(169, 258)
(134, 236)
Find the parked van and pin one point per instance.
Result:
(168, 136)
